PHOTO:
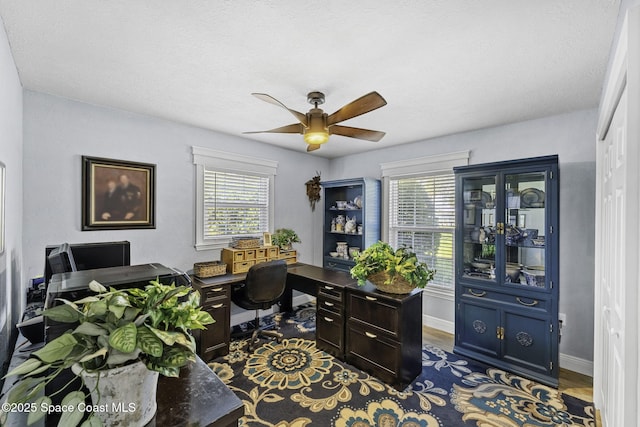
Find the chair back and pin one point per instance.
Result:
(265, 282)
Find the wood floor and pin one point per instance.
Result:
(572, 383)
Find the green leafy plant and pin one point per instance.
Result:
(113, 328)
(284, 237)
(382, 257)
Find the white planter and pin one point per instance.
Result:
(126, 395)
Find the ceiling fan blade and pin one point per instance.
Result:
(364, 104)
(294, 128)
(369, 135)
(312, 147)
(271, 100)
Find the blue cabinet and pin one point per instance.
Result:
(507, 286)
(351, 219)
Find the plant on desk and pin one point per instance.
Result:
(285, 237)
(139, 333)
(391, 270)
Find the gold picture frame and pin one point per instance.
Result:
(117, 194)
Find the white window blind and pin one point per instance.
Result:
(422, 216)
(235, 204)
(234, 196)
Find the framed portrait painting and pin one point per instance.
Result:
(117, 194)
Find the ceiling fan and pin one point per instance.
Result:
(316, 125)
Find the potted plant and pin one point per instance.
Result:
(391, 270)
(285, 237)
(119, 335)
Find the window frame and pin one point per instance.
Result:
(221, 161)
(418, 167)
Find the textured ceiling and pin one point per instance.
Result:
(444, 66)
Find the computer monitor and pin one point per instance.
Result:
(61, 260)
(88, 256)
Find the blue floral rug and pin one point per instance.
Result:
(294, 384)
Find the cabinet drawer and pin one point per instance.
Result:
(238, 255)
(214, 341)
(261, 253)
(211, 294)
(374, 352)
(375, 311)
(249, 254)
(330, 305)
(330, 291)
(330, 332)
(534, 303)
(272, 252)
(242, 267)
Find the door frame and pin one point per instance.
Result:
(623, 75)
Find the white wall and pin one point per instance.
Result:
(57, 132)
(570, 136)
(11, 293)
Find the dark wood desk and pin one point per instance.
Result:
(375, 331)
(197, 398)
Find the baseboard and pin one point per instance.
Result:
(576, 364)
(571, 363)
(437, 323)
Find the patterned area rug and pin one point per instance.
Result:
(293, 384)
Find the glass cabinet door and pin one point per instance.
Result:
(479, 219)
(524, 228)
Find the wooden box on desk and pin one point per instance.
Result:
(241, 260)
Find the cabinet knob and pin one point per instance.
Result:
(328, 319)
(371, 298)
(370, 335)
(217, 305)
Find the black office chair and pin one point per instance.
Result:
(263, 287)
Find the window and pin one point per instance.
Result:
(234, 197)
(420, 198)
(421, 216)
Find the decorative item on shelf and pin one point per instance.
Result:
(534, 275)
(359, 229)
(313, 190)
(340, 222)
(333, 225)
(358, 202)
(114, 330)
(342, 249)
(341, 204)
(394, 271)
(334, 254)
(284, 238)
(350, 225)
(513, 272)
(354, 251)
(245, 242)
(532, 198)
(203, 270)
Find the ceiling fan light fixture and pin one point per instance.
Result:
(316, 138)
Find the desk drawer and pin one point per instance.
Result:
(374, 352)
(330, 291)
(375, 311)
(211, 294)
(261, 253)
(330, 333)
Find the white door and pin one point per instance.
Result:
(618, 236)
